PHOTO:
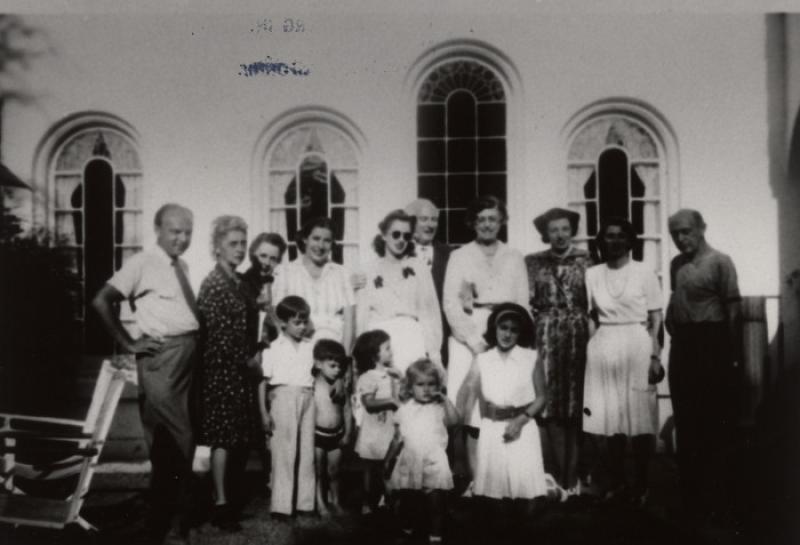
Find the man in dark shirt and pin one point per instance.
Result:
(703, 320)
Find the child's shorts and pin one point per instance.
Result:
(328, 438)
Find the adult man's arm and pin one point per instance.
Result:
(105, 304)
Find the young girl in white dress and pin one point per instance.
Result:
(377, 391)
(510, 389)
(417, 459)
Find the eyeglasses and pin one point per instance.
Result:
(405, 234)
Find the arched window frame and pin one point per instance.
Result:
(663, 137)
(299, 118)
(47, 209)
(487, 55)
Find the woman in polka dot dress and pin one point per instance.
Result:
(229, 417)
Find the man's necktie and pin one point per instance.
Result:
(188, 294)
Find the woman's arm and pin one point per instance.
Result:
(462, 327)
(656, 371)
(469, 393)
(349, 328)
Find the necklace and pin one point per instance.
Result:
(616, 294)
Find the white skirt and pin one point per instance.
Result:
(408, 340)
(460, 362)
(509, 470)
(617, 398)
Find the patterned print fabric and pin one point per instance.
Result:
(230, 415)
(559, 307)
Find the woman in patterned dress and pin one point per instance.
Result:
(229, 421)
(556, 278)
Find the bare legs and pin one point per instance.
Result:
(327, 468)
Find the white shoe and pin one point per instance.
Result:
(468, 492)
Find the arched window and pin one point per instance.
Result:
(312, 171)
(461, 142)
(616, 167)
(97, 212)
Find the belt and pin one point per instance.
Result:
(496, 413)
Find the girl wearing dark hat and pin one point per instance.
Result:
(556, 279)
(623, 357)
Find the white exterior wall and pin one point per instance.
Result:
(174, 79)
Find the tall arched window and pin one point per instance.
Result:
(97, 212)
(312, 171)
(616, 167)
(461, 142)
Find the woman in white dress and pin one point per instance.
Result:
(480, 275)
(623, 357)
(399, 296)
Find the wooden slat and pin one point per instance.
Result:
(46, 513)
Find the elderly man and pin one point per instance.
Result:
(702, 318)
(156, 283)
(433, 253)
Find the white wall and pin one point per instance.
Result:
(174, 78)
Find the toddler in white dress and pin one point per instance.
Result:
(416, 462)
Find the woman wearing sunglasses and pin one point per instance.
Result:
(399, 296)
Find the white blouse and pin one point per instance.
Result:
(404, 288)
(624, 295)
(500, 278)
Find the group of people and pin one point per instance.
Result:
(438, 366)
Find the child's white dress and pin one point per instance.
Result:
(377, 429)
(514, 469)
(422, 463)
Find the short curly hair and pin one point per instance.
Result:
(221, 226)
(379, 245)
(423, 367)
(270, 238)
(486, 202)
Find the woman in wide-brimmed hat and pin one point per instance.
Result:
(556, 279)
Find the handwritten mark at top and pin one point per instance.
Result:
(289, 25)
(269, 67)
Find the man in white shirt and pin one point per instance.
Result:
(156, 283)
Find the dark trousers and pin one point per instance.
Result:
(702, 383)
(165, 381)
(560, 444)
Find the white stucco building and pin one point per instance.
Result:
(604, 112)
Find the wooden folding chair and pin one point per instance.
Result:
(37, 450)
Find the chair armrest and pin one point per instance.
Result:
(61, 452)
(40, 419)
(45, 435)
